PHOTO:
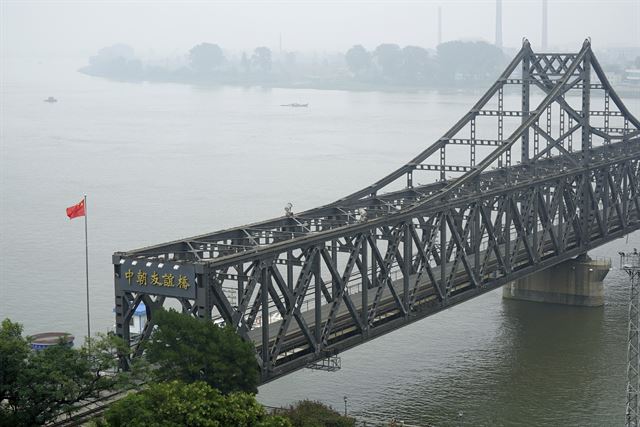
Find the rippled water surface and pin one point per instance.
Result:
(164, 161)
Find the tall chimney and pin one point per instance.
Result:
(439, 24)
(499, 23)
(544, 25)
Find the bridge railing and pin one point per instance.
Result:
(629, 261)
(354, 286)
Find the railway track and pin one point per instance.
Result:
(89, 410)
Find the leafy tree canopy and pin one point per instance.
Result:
(197, 404)
(470, 59)
(206, 57)
(307, 413)
(416, 64)
(187, 349)
(261, 58)
(358, 59)
(14, 350)
(389, 58)
(117, 51)
(36, 387)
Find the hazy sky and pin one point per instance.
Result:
(77, 28)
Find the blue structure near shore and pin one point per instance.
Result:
(48, 339)
(138, 320)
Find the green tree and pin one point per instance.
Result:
(206, 57)
(39, 386)
(261, 59)
(116, 62)
(307, 413)
(469, 60)
(14, 350)
(197, 404)
(358, 60)
(416, 65)
(187, 349)
(389, 59)
(245, 65)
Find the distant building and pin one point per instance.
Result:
(631, 77)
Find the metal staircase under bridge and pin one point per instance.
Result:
(513, 189)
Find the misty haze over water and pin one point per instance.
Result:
(167, 160)
(161, 29)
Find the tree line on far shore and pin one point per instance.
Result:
(454, 63)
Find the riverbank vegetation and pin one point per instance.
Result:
(38, 386)
(185, 349)
(192, 373)
(206, 375)
(176, 403)
(388, 66)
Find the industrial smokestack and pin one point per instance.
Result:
(439, 24)
(499, 23)
(544, 25)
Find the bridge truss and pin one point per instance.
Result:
(514, 187)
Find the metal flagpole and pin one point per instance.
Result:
(86, 259)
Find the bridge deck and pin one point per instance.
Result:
(426, 304)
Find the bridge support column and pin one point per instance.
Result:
(574, 282)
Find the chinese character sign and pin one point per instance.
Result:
(157, 278)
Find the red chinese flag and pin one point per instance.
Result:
(76, 210)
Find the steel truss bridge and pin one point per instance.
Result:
(308, 285)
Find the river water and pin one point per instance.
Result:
(164, 161)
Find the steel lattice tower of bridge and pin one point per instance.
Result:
(513, 188)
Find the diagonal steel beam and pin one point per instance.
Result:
(384, 278)
(341, 282)
(295, 298)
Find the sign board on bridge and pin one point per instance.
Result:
(158, 278)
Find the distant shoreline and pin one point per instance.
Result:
(455, 66)
(476, 87)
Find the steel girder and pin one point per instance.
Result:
(306, 286)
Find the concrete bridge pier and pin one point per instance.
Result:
(574, 282)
